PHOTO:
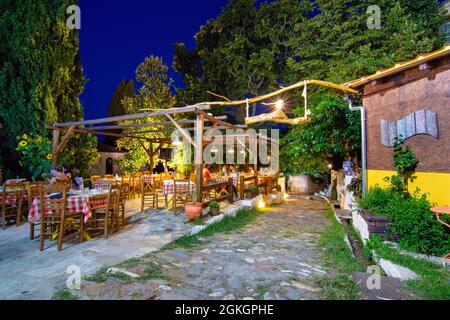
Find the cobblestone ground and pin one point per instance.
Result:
(276, 257)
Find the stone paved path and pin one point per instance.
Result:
(276, 257)
(27, 273)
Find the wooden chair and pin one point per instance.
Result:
(58, 217)
(12, 202)
(136, 184)
(181, 192)
(149, 194)
(108, 177)
(34, 189)
(123, 190)
(95, 178)
(104, 217)
(127, 181)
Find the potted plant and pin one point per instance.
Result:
(214, 208)
(194, 206)
(252, 192)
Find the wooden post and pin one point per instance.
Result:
(231, 193)
(199, 153)
(242, 187)
(152, 154)
(55, 147)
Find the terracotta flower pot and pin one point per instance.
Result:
(193, 210)
(214, 211)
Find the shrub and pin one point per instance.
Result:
(411, 220)
(252, 189)
(214, 205)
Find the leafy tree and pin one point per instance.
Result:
(240, 53)
(154, 94)
(250, 50)
(116, 107)
(334, 130)
(41, 76)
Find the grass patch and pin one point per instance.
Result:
(339, 258)
(434, 282)
(198, 222)
(102, 275)
(152, 271)
(65, 294)
(228, 224)
(261, 289)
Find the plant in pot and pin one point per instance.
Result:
(214, 208)
(252, 192)
(194, 206)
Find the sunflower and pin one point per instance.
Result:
(25, 137)
(77, 136)
(23, 143)
(49, 156)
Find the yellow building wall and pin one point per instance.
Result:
(436, 184)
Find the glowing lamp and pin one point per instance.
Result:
(279, 104)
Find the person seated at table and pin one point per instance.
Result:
(225, 172)
(206, 174)
(60, 173)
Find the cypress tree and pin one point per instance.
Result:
(41, 77)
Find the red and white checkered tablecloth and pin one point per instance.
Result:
(225, 179)
(11, 199)
(75, 204)
(183, 187)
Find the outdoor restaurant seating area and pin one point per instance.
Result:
(97, 206)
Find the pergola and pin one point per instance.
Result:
(105, 126)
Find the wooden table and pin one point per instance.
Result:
(438, 211)
(77, 201)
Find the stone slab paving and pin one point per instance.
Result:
(27, 273)
(276, 257)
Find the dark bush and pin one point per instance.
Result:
(411, 220)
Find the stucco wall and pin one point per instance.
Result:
(99, 168)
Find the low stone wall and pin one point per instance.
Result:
(368, 225)
(229, 212)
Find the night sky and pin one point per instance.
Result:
(116, 36)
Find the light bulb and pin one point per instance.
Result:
(279, 104)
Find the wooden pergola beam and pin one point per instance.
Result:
(64, 141)
(219, 122)
(110, 134)
(144, 125)
(135, 116)
(187, 129)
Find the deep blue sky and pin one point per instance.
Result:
(116, 36)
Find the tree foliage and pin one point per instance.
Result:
(334, 130)
(154, 93)
(116, 107)
(252, 49)
(41, 76)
